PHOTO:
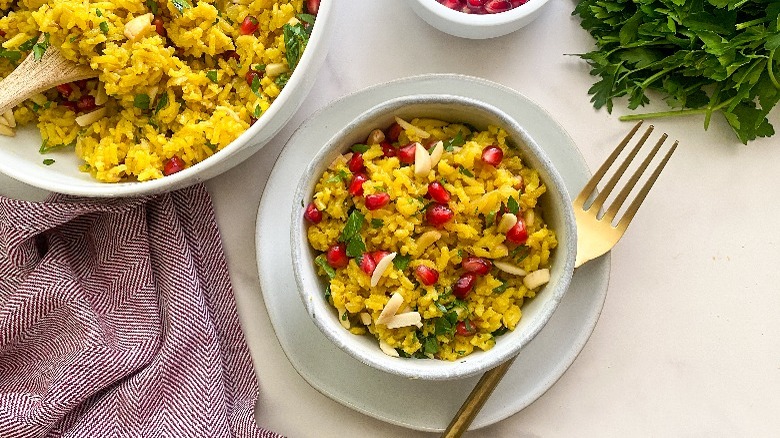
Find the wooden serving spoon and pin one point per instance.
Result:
(34, 76)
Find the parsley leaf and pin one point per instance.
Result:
(401, 261)
(513, 206)
(356, 247)
(212, 75)
(362, 148)
(353, 226)
(162, 102)
(465, 171)
(152, 5)
(48, 161)
(28, 45)
(104, 27)
(452, 143)
(11, 55)
(40, 47)
(181, 5)
(141, 101)
(296, 37)
(377, 223)
(323, 263)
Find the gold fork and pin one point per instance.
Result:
(596, 235)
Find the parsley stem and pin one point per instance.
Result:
(660, 114)
(769, 68)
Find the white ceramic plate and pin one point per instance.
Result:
(422, 405)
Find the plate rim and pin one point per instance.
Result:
(401, 84)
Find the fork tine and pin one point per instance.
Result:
(607, 190)
(621, 197)
(579, 202)
(640, 197)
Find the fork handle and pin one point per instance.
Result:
(476, 400)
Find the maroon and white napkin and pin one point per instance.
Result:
(117, 319)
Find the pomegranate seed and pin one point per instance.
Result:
(475, 5)
(452, 4)
(465, 328)
(69, 104)
(388, 150)
(173, 165)
(438, 193)
(313, 6)
(427, 276)
(497, 6)
(86, 103)
(65, 89)
(438, 215)
(464, 285)
(367, 264)
(393, 132)
(492, 155)
(356, 185)
(519, 233)
(356, 162)
(377, 200)
(312, 214)
(376, 256)
(159, 26)
(248, 26)
(406, 154)
(476, 265)
(337, 256)
(251, 75)
(516, 3)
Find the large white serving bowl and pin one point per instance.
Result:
(555, 203)
(20, 159)
(475, 26)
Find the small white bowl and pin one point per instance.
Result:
(476, 26)
(536, 312)
(20, 159)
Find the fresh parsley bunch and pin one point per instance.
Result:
(703, 56)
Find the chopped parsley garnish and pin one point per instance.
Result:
(98, 13)
(465, 171)
(500, 331)
(152, 5)
(28, 45)
(212, 75)
(450, 145)
(295, 39)
(255, 85)
(141, 101)
(46, 147)
(490, 218)
(306, 18)
(162, 102)
(401, 261)
(104, 27)
(48, 161)
(40, 47)
(351, 234)
(377, 223)
(431, 346)
(11, 55)
(181, 5)
(257, 111)
(513, 206)
(282, 79)
(356, 247)
(340, 176)
(361, 148)
(322, 262)
(502, 287)
(445, 325)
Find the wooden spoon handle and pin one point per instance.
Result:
(32, 77)
(476, 400)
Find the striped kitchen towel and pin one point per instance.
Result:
(117, 319)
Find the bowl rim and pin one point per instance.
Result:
(44, 178)
(481, 20)
(478, 361)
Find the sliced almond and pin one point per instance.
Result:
(422, 160)
(426, 239)
(138, 27)
(409, 127)
(391, 308)
(39, 99)
(436, 153)
(508, 220)
(530, 217)
(276, 69)
(404, 320)
(387, 349)
(100, 96)
(91, 117)
(365, 318)
(9, 117)
(7, 131)
(3, 121)
(381, 267)
(343, 317)
(536, 278)
(509, 268)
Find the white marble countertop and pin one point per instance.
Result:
(688, 342)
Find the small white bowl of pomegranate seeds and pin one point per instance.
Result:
(478, 19)
(431, 237)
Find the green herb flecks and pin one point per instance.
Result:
(340, 176)
(162, 102)
(445, 325)
(401, 262)
(322, 262)
(40, 47)
(703, 57)
(46, 147)
(11, 55)
(28, 45)
(501, 288)
(513, 206)
(98, 12)
(212, 76)
(351, 234)
(48, 162)
(377, 223)
(361, 148)
(258, 111)
(465, 171)
(296, 37)
(104, 27)
(451, 144)
(152, 5)
(141, 101)
(181, 5)
(255, 86)
(282, 79)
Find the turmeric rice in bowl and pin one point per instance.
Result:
(177, 81)
(429, 235)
